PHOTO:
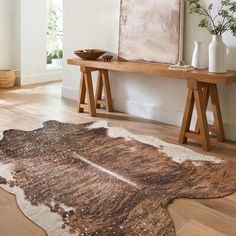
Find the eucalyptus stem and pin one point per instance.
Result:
(213, 24)
(222, 22)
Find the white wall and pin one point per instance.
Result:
(15, 35)
(23, 43)
(5, 29)
(95, 24)
(33, 18)
(88, 24)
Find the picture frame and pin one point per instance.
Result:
(151, 31)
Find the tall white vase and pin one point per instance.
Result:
(217, 55)
(198, 59)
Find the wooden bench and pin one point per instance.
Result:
(202, 86)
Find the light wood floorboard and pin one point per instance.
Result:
(28, 107)
(12, 220)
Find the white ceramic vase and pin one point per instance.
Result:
(217, 55)
(198, 59)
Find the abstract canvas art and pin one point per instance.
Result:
(151, 30)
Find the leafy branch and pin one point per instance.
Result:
(222, 22)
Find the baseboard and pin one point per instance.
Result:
(69, 93)
(160, 114)
(49, 76)
(149, 112)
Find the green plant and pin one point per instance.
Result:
(55, 54)
(49, 58)
(224, 20)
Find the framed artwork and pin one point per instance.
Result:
(151, 30)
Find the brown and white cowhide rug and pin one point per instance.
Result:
(103, 180)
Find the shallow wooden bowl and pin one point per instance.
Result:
(89, 54)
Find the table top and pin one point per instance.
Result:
(161, 70)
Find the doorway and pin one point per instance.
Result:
(54, 34)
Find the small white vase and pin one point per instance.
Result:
(198, 59)
(217, 55)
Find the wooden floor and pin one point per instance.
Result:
(26, 108)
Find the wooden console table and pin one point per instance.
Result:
(202, 85)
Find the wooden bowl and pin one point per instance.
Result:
(89, 54)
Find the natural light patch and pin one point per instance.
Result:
(4, 102)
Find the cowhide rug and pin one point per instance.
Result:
(105, 181)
